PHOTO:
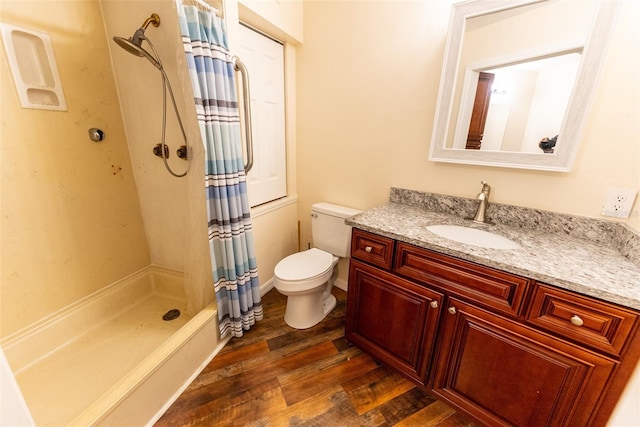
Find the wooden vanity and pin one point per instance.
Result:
(506, 349)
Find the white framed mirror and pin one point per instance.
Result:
(518, 80)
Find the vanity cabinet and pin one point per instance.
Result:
(503, 348)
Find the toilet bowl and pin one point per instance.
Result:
(306, 278)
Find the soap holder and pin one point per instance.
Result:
(34, 69)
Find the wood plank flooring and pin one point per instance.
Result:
(279, 376)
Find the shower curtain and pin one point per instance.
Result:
(233, 259)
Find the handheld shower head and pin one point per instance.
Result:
(133, 44)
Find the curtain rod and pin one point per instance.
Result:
(203, 4)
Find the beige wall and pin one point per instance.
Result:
(367, 98)
(275, 236)
(280, 19)
(368, 76)
(71, 221)
(163, 197)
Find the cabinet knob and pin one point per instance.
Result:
(451, 310)
(434, 304)
(368, 249)
(576, 320)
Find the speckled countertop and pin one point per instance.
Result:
(589, 256)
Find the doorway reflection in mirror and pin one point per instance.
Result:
(524, 103)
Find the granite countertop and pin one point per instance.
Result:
(592, 257)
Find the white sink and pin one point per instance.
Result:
(473, 236)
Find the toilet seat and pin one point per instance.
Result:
(304, 270)
(304, 265)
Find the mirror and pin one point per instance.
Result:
(512, 107)
(517, 81)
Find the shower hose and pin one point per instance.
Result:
(166, 86)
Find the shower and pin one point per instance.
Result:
(133, 45)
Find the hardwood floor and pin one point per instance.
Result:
(279, 376)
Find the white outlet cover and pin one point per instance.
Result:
(619, 202)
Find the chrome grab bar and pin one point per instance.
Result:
(239, 66)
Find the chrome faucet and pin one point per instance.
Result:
(483, 196)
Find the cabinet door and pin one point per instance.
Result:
(504, 373)
(392, 319)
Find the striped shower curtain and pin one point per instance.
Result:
(233, 258)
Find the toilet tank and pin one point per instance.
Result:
(328, 229)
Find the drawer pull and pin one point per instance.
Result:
(368, 249)
(434, 304)
(576, 320)
(451, 310)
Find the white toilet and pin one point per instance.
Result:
(306, 278)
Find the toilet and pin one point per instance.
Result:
(306, 278)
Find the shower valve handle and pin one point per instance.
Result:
(182, 152)
(157, 151)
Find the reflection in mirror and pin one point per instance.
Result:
(546, 54)
(515, 106)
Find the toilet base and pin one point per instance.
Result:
(328, 304)
(305, 311)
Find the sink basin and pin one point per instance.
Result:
(473, 236)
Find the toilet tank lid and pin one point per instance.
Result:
(334, 210)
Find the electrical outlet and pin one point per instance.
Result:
(619, 202)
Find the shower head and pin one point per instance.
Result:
(133, 44)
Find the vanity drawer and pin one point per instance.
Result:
(581, 319)
(500, 291)
(371, 248)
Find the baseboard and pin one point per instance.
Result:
(267, 286)
(341, 284)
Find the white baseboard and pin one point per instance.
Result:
(267, 286)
